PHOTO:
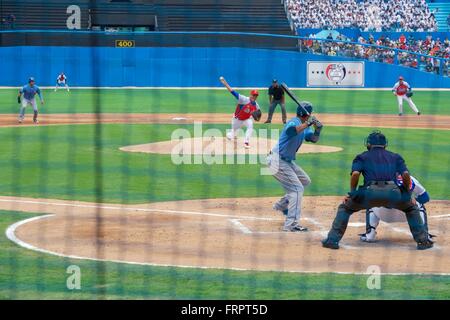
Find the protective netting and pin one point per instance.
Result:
(138, 171)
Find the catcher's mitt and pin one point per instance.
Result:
(257, 115)
(409, 94)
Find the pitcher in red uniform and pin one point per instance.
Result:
(403, 91)
(243, 114)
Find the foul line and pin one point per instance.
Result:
(135, 209)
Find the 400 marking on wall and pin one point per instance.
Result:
(125, 44)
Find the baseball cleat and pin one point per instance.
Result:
(246, 145)
(20, 120)
(36, 121)
(268, 121)
(418, 113)
(368, 236)
(295, 228)
(425, 245)
(326, 243)
(400, 114)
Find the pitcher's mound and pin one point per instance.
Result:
(219, 146)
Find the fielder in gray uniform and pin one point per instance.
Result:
(292, 178)
(26, 97)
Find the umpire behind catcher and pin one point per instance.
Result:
(276, 97)
(379, 168)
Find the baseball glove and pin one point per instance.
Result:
(409, 94)
(18, 100)
(257, 115)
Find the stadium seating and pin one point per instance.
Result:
(443, 11)
(41, 14)
(264, 16)
(32, 14)
(366, 15)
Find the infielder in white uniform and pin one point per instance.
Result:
(61, 81)
(403, 91)
(247, 109)
(374, 215)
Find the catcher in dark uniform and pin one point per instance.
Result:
(379, 168)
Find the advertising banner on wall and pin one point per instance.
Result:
(335, 74)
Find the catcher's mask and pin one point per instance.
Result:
(376, 139)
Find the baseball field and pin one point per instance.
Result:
(95, 186)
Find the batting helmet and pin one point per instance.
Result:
(304, 108)
(254, 93)
(31, 80)
(400, 78)
(376, 139)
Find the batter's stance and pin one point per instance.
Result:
(379, 168)
(281, 163)
(28, 95)
(402, 90)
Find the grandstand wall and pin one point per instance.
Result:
(183, 67)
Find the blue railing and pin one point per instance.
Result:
(327, 47)
(376, 53)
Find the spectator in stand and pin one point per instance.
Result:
(367, 15)
(413, 52)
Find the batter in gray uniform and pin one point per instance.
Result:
(292, 178)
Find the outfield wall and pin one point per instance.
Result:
(182, 67)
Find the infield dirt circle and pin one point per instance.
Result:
(225, 233)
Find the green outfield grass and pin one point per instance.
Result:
(60, 162)
(219, 101)
(28, 275)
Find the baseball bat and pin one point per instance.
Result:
(292, 96)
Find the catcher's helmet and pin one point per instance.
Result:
(304, 105)
(376, 139)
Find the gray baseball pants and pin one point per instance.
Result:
(293, 179)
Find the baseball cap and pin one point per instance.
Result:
(400, 78)
(274, 81)
(254, 93)
(31, 79)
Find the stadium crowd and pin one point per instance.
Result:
(366, 15)
(384, 50)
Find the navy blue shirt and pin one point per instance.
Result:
(378, 164)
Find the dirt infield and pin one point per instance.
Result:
(224, 233)
(353, 120)
(213, 146)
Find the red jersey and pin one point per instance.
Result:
(244, 112)
(401, 88)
